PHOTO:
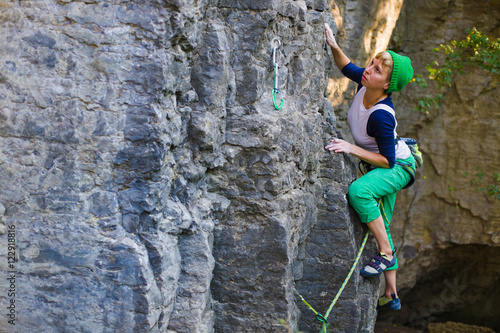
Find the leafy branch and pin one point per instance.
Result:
(475, 50)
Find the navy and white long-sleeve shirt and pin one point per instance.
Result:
(374, 129)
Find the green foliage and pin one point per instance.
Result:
(475, 50)
(493, 189)
(479, 176)
(419, 79)
(426, 102)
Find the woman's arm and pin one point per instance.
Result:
(341, 146)
(341, 60)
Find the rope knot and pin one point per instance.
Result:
(321, 318)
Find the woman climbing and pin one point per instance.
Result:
(373, 124)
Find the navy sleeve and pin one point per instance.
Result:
(353, 72)
(381, 126)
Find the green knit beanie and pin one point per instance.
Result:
(402, 72)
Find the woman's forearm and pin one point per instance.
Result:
(370, 157)
(342, 146)
(341, 60)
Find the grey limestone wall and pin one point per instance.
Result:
(151, 184)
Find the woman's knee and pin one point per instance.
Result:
(355, 195)
(356, 191)
(359, 194)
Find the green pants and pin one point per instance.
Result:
(374, 194)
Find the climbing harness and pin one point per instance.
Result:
(276, 61)
(320, 317)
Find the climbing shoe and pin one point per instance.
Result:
(391, 304)
(377, 265)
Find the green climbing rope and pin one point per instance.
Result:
(324, 319)
(319, 316)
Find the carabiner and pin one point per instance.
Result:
(275, 49)
(276, 61)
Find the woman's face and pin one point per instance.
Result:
(375, 76)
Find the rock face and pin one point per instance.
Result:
(148, 183)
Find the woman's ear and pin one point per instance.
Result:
(386, 85)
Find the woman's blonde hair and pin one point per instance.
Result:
(387, 62)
